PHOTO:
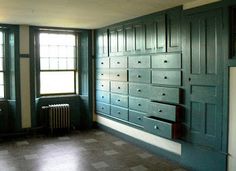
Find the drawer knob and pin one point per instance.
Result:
(118, 75)
(139, 76)
(165, 77)
(102, 97)
(139, 118)
(118, 62)
(160, 110)
(138, 90)
(101, 74)
(102, 85)
(118, 113)
(118, 87)
(102, 63)
(156, 127)
(118, 100)
(102, 108)
(139, 62)
(165, 61)
(139, 104)
(163, 94)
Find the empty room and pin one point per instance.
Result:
(118, 85)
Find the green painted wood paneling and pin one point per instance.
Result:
(204, 77)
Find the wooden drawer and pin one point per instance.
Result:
(139, 75)
(118, 75)
(119, 100)
(136, 117)
(118, 62)
(139, 62)
(166, 61)
(163, 94)
(119, 112)
(119, 87)
(164, 111)
(103, 85)
(103, 96)
(138, 104)
(102, 108)
(166, 77)
(161, 128)
(139, 90)
(102, 62)
(102, 75)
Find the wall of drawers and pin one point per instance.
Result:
(143, 90)
(138, 73)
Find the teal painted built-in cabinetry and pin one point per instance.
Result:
(139, 73)
(163, 73)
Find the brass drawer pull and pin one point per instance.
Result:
(102, 63)
(156, 127)
(165, 77)
(118, 75)
(139, 62)
(118, 87)
(160, 110)
(118, 100)
(139, 104)
(102, 97)
(163, 94)
(165, 61)
(138, 90)
(118, 62)
(139, 76)
(118, 113)
(139, 118)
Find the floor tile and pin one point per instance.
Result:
(63, 138)
(110, 152)
(138, 168)
(119, 143)
(99, 165)
(22, 143)
(4, 152)
(91, 140)
(30, 156)
(144, 155)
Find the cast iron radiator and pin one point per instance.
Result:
(58, 116)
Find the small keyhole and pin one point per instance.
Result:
(118, 62)
(138, 90)
(139, 62)
(102, 63)
(118, 87)
(118, 100)
(139, 104)
(139, 118)
(160, 110)
(139, 76)
(165, 61)
(163, 94)
(118, 75)
(165, 77)
(156, 127)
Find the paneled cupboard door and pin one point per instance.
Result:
(160, 33)
(174, 30)
(204, 76)
(102, 43)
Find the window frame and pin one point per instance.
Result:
(38, 70)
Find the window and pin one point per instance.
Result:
(57, 63)
(2, 55)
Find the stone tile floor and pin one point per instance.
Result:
(92, 150)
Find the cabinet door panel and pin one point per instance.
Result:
(160, 30)
(138, 37)
(204, 78)
(174, 30)
(149, 35)
(129, 38)
(102, 42)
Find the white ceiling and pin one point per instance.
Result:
(88, 14)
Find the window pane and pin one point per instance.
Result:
(70, 63)
(70, 40)
(53, 51)
(1, 91)
(44, 63)
(70, 51)
(44, 51)
(1, 64)
(44, 38)
(1, 78)
(63, 64)
(1, 50)
(1, 37)
(62, 51)
(53, 64)
(56, 82)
